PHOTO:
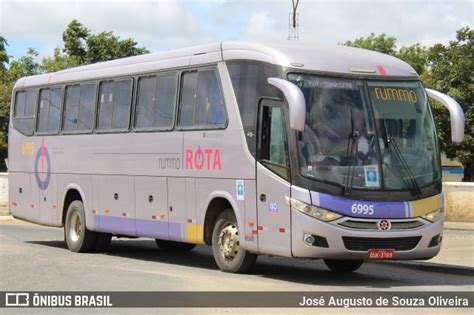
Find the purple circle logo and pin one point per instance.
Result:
(42, 167)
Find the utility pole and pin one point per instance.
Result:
(293, 22)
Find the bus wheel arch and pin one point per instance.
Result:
(91, 241)
(216, 206)
(71, 195)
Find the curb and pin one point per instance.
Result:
(459, 226)
(6, 217)
(433, 267)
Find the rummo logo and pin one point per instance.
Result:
(17, 299)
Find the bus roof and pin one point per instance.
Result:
(293, 54)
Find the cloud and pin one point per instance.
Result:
(154, 24)
(165, 24)
(261, 26)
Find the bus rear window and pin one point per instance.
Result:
(24, 112)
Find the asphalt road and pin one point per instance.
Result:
(35, 258)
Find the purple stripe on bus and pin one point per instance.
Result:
(152, 228)
(117, 225)
(174, 232)
(381, 210)
(96, 222)
(145, 228)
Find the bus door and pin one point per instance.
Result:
(273, 185)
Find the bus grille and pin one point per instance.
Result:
(366, 243)
(372, 225)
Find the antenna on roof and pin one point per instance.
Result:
(293, 22)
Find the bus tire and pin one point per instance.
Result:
(228, 254)
(172, 245)
(102, 243)
(343, 266)
(78, 237)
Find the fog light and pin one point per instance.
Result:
(309, 239)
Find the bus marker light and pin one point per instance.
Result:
(153, 217)
(124, 214)
(191, 221)
(94, 211)
(106, 210)
(254, 232)
(282, 230)
(249, 237)
(32, 205)
(162, 215)
(53, 205)
(14, 203)
(250, 222)
(262, 228)
(381, 70)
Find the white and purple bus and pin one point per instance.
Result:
(280, 149)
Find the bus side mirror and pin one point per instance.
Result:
(296, 102)
(455, 112)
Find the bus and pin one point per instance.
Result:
(282, 149)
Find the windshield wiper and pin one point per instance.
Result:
(351, 157)
(391, 142)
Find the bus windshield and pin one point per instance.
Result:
(367, 134)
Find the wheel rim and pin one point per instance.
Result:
(75, 226)
(229, 243)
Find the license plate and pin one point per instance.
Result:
(381, 254)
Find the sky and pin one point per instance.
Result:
(166, 24)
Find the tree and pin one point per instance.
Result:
(380, 43)
(4, 58)
(25, 66)
(105, 46)
(452, 69)
(74, 38)
(5, 91)
(415, 55)
(82, 47)
(58, 61)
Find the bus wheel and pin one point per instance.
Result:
(228, 254)
(171, 245)
(78, 237)
(343, 265)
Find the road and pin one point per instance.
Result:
(35, 258)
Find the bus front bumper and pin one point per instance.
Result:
(336, 242)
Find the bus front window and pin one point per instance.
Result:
(405, 124)
(338, 134)
(349, 121)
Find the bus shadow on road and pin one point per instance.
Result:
(308, 272)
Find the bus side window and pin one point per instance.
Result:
(115, 99)
(272, 146)
(156, 101)
(49, 110)
(24, 112)
(188, 99)
(201, 103)
(209, 103)
(79, 107)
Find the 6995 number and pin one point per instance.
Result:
(358, 208)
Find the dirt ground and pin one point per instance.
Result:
(459, 203)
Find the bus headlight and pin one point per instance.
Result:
(435, 215)
(313, 211)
